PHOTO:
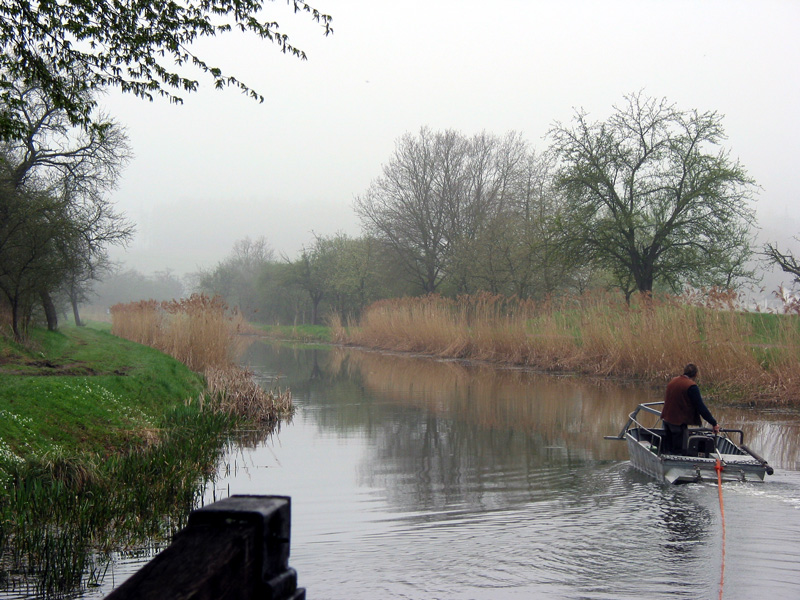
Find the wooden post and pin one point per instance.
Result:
(234, 549)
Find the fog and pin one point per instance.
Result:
(222, 167)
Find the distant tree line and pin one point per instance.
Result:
(120, 286)
(647, 200)
(334, 274)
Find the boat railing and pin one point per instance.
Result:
(646, 407)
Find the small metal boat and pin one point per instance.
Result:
(701, 453)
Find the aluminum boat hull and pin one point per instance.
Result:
(672, 468)
(704, 454)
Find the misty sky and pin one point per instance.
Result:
(223, 167)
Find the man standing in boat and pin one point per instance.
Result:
(683, 406)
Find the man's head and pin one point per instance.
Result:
(690, 370)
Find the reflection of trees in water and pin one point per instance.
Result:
(563, 411)
(425, 460)
(294, 366)
(476, 433)
(774, 436)
(571, 411)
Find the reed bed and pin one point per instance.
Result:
(198, 331)
(61, 517)
(204, 334)
(743, 354)
(234, 392)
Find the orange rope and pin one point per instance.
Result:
(718, 469)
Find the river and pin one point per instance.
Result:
(413, 478)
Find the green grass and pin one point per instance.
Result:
(300, 333)
(84, 391)
(771, 328)
(98, 450)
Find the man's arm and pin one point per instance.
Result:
(697, 400)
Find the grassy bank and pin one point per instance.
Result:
(106, 443)
(745, 356)
(84, 391)
(103, 444)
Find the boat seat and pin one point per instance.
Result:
(700, 445)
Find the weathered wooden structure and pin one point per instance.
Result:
(234, 549)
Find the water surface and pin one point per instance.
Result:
(419, 479)
(413, 478)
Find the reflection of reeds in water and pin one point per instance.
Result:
(563, 411)
(601, 334)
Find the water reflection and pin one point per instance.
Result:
(561, 411)
(414, 478)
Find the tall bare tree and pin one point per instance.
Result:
(492, 167)
(443, 206)
(519, 252)
(408, 207)
(786, 260)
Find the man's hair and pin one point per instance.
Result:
(690, 370)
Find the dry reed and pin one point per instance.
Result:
(198, 331)
(204, 335)
(234, 392)
(596, 333)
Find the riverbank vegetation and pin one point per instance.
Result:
(106, 444)
(205, 335)
(453, 213)
(103, 444)
(744, 356)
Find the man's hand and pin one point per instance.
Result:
(715, 429)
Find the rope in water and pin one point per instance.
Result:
(718, 469)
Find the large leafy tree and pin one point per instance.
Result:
(141, 46)
(353, 272)
(652, 197)
(312, 272)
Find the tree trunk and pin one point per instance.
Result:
(75, 313)
(315, 300)
(15, 321)
(50, 312)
